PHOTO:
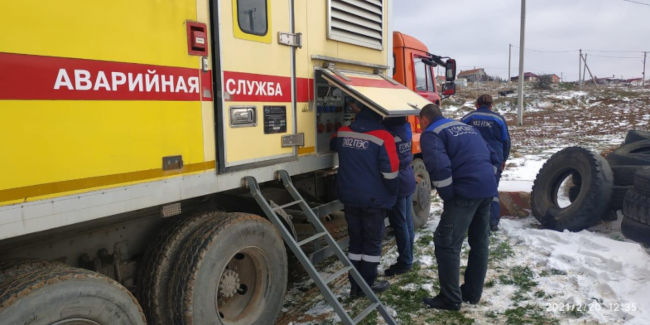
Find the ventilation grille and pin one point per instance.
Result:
(359, 22)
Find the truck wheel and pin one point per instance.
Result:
(41, 293)
(422, 196)
(636, 135)
(231, 271)
(592, 200)
(159, 262)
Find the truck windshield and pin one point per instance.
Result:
(423, 77)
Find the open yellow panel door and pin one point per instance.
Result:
(383, 95)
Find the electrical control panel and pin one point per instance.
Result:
(332, 112)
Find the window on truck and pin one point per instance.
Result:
(423, 76)
(252, 16)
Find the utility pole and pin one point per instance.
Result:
(584, 67)
(589, 70)
(509, 59)
(580, 68)
(643, 79)
(520, 110)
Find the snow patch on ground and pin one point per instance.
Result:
(608, 279)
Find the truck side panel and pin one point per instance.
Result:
(87, 120)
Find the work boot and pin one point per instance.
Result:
(466, 297)
(380, 286)
(396, 269)
(438, 302)
(377, 287)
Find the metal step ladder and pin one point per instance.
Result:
(321, 232)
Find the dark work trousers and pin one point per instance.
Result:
(365, 230)
(401, 221)
(461, 216)
(495, 208)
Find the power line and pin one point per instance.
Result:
(615, 57)
(587, 50)
(616, 51)
(638, 2)
(549, 51)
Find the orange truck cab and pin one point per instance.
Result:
(413, 66)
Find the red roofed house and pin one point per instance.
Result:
(528, 76)
(473, 75)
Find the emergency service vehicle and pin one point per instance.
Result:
(127, 128)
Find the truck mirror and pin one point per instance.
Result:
(448, 88)
(450, 70)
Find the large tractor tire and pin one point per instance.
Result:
(618, 194)
(230, 271)
(636, 135)
(595, 179)
(422, 196)
(624, 174)
(159, 262)
(637, 207)
(635, 153)
(42, 293)
(642, 181)
(634, 230)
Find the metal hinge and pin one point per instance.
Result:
(290, 39)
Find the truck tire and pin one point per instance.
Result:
(591, 203)
(231, 271)
(42, 293)
(636, 135)
(635, 153)
(158, 263)
(637, 207)
(624, 174)
(618, 195)
(635, 230)
(422, 195)
(642, 181)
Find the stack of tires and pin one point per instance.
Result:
(625, 161)
(636, 208)
(597, 188)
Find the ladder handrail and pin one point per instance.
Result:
(295, 247)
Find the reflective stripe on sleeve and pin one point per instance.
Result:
(390, 175)
(446, 125)
(444, 182)
(495, 199)
(496, 170)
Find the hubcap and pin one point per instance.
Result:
(242, 286)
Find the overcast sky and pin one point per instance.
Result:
(477, 32)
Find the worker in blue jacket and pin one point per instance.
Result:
(461, 169)
(494, 130)
(367, 184)
(400, 217)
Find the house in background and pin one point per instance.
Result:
(554, 78)
(473, 75)
(528, 76)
